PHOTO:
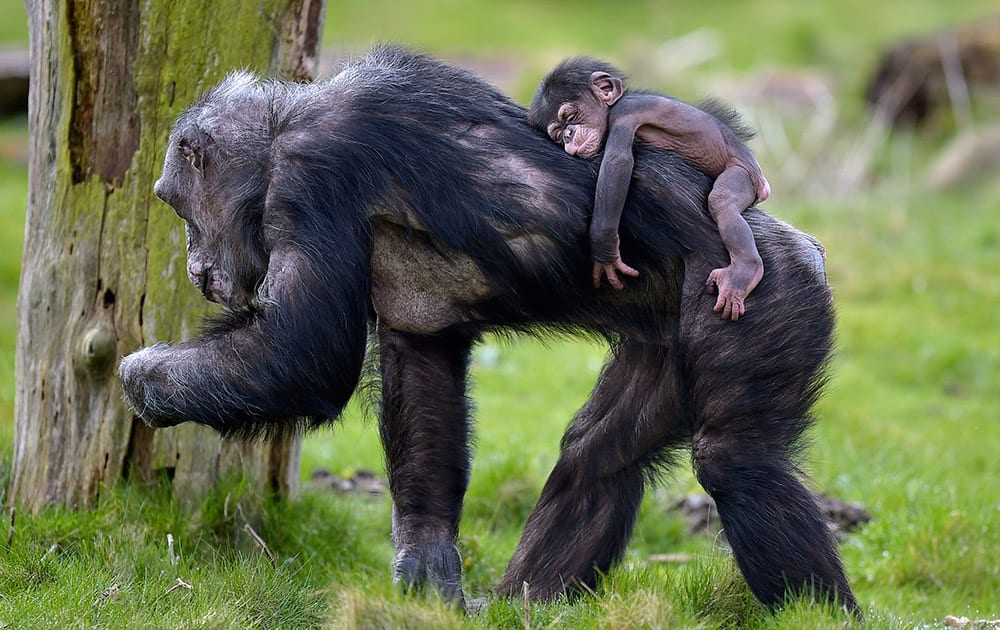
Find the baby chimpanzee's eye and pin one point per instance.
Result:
(568, 113)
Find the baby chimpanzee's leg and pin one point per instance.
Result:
(732, 194)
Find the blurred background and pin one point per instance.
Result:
(879, 130)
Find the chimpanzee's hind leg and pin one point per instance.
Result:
(772, 522)
(588, 506)
(424, 426)
(751, 384)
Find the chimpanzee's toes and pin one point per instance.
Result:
(439, 565)
(444, 571)
(408, 570)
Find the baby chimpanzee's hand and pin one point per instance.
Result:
(611, 269)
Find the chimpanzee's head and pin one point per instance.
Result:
(219, 190)
(572, 101)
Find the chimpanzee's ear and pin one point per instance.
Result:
(192, 145)
(608, 89)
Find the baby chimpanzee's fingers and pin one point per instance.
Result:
(625, 269)
(720, 301)
(710, 285)
(726, 304)
(740, 309)
(613, 277)
(609, 270)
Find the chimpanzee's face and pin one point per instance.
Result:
(581, 122)
(202, 191)
(580, 126)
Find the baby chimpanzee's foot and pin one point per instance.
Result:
(734, 283)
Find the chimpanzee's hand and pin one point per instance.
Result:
(611, 269)
(608, 259)
(146, 381)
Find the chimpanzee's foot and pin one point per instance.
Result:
(439, 565)
(734, 283)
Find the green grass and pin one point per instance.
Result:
(102, 567)
(907, 426)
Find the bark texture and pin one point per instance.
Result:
(104, 265)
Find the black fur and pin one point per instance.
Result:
(400, 144)
(729, 117)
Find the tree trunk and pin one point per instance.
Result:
(104, 267)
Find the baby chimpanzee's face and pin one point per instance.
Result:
(580, 126)
(582, 123)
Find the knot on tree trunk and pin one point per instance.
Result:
(98, 347)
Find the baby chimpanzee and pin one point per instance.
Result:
(582, 103)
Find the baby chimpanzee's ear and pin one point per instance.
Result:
(608, 89)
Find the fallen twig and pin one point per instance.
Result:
(51, 551)
(107, 594)
(180, 584)
(260, 541)
(952, 621)
(527, 606)
(954, 79)
(170, 549)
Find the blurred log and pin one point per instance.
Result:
(13, 82)
(702, 515)
(919, 76)
(972, 154)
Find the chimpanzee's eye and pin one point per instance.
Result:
(567, 113)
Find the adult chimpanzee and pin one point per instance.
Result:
(410, 192)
